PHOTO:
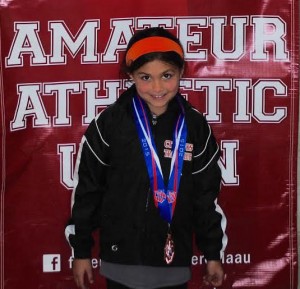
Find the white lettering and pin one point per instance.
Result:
(122, 31)
(269, 38)
(259, 101)
(190, 40)
(269, 33)
(86, 37)
(237, 258)
(263, 95)
(62, 92)
(228, 162)
(238, 39)
(26, 41)
(93, 102)
(29, 104)
(66, 153)
(242, 114)
(213, 88)
(146, 22)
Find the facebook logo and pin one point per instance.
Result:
(51, 263)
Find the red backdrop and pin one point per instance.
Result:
(60, 66)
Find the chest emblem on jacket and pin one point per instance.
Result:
(168, 150)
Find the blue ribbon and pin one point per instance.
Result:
(164, 196)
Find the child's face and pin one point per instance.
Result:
(157, 83)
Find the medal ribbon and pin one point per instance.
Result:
(164, 196)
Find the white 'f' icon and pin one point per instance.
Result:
(51, 263)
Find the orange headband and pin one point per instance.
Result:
(152, 44)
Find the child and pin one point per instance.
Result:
(147, 176)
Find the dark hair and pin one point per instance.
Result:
(170, 57)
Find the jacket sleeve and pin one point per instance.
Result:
(209, 220)
(89, 185)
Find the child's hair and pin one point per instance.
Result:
(172, 53)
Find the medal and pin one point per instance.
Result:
(169, 251)
(165, 196)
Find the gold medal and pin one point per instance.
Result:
(169, 249)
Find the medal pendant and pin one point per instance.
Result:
(169, 249)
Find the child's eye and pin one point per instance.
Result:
(145, 77)
(167, 75)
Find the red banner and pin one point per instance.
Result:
(60, 67)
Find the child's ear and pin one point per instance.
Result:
(181, 72)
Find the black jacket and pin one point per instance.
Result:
(112, 189)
